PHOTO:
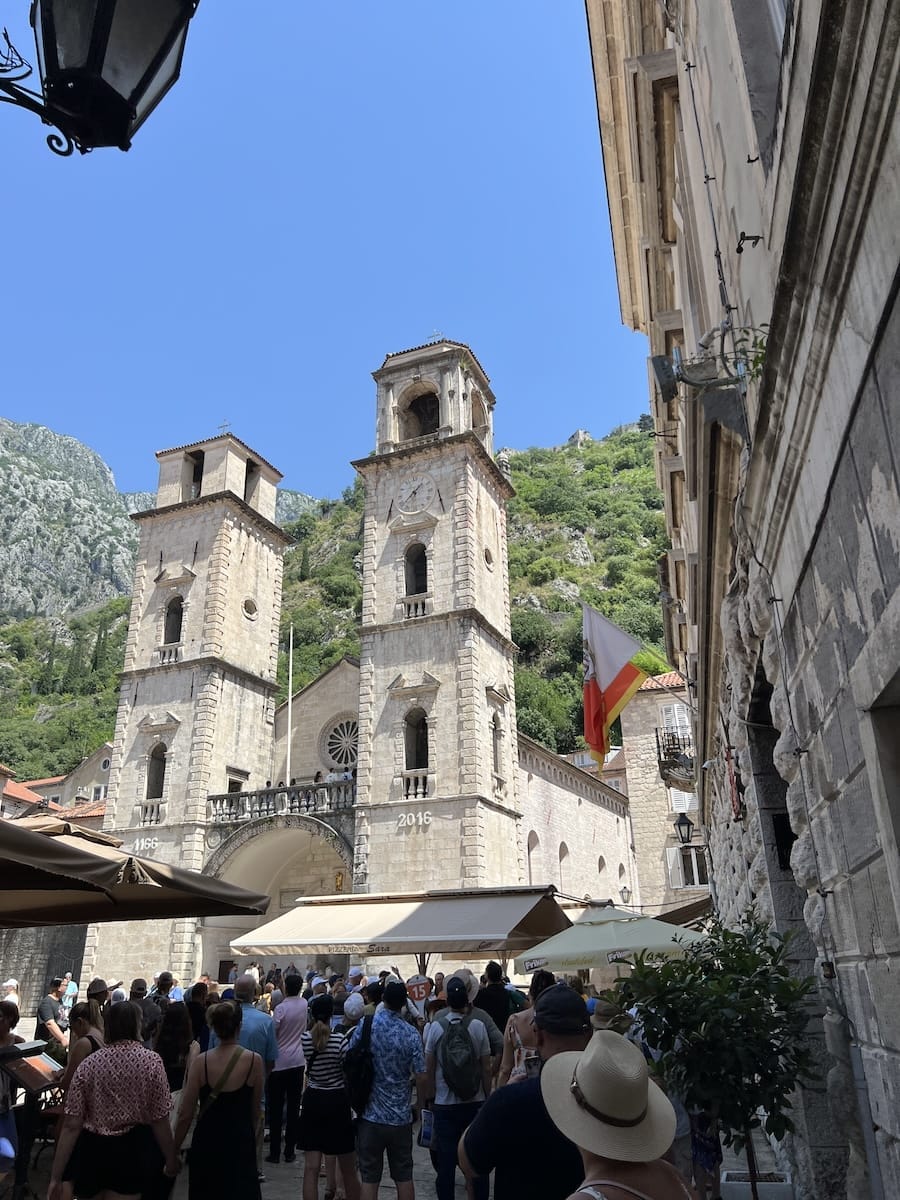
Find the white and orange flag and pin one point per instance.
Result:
(610, 677)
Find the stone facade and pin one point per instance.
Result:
(672, 874)
(400, 772)
(195, 707)
(751, 154)
(88, 781)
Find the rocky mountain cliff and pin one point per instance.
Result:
(66, 539)
(586, 524)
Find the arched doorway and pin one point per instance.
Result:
(284, 857)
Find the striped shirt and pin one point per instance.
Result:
(323, 1067)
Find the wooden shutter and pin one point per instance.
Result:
(676, 869)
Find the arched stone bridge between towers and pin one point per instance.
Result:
(326, 810)
(284, 841)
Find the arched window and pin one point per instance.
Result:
(174, 616)
(416, 741)
(534, 844)
(416, 570)
(421, 417)
(479, 415)
(602, 880)
(563, 865)
(497, 736)
(156, 772)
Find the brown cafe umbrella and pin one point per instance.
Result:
(55, 873)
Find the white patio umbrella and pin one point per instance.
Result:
(596, 943)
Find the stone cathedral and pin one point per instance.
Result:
(402, 771)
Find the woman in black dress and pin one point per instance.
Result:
(326, 1122)
(175, 1044)
(228, 1083)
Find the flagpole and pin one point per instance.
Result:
(290, 699)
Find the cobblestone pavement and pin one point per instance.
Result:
(284, 1181)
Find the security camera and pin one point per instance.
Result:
(710, 762)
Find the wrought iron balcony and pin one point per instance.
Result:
(675, 754)
(233, 808)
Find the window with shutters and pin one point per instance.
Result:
(683, 802)
(676, 718)
(687, 866)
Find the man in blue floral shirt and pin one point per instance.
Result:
(387, 1121)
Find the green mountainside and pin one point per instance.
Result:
(586, 524)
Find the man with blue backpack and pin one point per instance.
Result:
(458, 1072)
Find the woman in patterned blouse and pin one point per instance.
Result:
(116, 1137)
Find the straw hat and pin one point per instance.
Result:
(602, 1100)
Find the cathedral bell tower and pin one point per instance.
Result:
(437, 730)
(196, 698)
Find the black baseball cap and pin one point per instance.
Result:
(457, 996)
(562, 1011)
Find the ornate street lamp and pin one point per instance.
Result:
(104, 66)
(684, 827)
(625, 893)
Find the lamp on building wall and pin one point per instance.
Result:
(625, 893)
(684, 827)
(104, 66)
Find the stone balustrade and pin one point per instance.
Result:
(328, 796)
(417, 784)
(415, 606)
(151, 812)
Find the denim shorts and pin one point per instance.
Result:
(372, 1139)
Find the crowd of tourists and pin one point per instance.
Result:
(535, 1092)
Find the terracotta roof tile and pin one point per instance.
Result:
(218, 438)
(23, 795)
(659, 683)
(91, 808)
(32, 783)
(437, 342)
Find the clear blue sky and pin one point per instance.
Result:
(325, 184)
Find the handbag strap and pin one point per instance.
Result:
(223, 1079)
(623, 1187)
(366, 1038)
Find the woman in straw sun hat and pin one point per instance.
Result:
(602, 1099)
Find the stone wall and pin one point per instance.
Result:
(650, 804)
(574, 830)
(35, 956)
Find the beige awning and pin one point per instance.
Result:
(484, 922)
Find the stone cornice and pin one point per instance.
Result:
(603, 794)
(458, 615)
(435, 448)
(464, 798)
(274, 531)
(211, 661)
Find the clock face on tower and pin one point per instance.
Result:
(416, 494)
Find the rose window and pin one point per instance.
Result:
(342, 743)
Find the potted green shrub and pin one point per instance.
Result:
(728, 1022)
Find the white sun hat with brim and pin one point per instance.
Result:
(602, 1099)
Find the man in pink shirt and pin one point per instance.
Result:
(286, 1080)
